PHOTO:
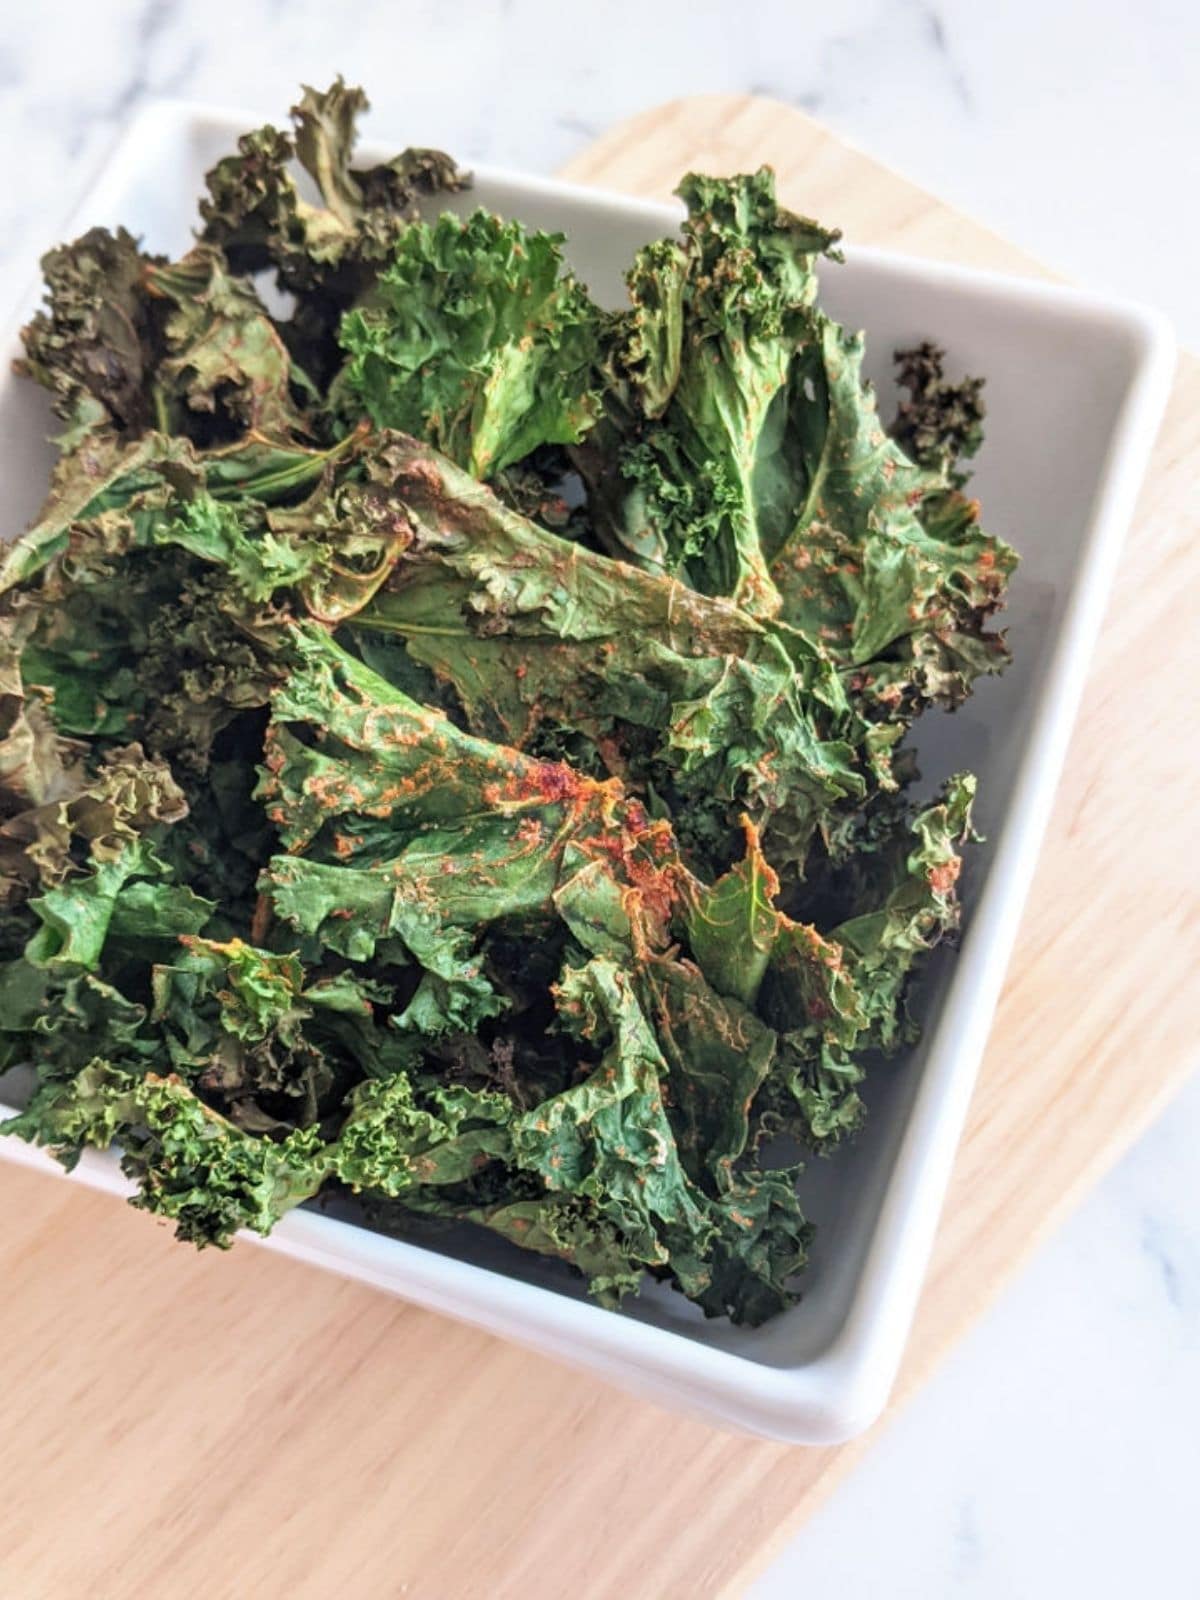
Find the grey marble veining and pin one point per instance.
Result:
(1069, 124)
(1056, 1454)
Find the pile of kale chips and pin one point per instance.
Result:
(452, 735)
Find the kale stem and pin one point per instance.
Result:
(161, 419)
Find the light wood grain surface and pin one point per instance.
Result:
(179, 1425)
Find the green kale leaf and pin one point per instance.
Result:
(475, 339)
(693, 469)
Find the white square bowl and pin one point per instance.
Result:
(1075, 390)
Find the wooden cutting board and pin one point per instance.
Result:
(241, 1426)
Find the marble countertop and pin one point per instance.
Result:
(1057, 1452)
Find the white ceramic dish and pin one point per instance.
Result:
(1076, 386)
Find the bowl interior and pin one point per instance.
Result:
(1056, 381)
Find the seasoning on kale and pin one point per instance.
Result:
(453, 736)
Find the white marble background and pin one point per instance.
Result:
(1058, 1452)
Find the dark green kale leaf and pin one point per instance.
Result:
(54, 1018)
(937, 424)
(424, 834)
(831, 995)
(402, 1135)
(911, 906)
(255, 212)
(93, 346)
(129, 895)
(130, 342)
(718, 1054)
(325, 254)
(405, 836)
(610, 1141)
(224, 354)
(147, 602)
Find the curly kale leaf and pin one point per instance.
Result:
(107, 498)
(568, 1229)
(882, 562)
(273, 1043)
(191, 1165)
(255, 211)
(693, 467)
(719, 1054)
(740, 449)
(401, 1136)
(609, 1138)
(937, 424)
(90, 484)
(93, 346)
(129, 896)
(152, 597)
(837, 996)
(610, 1141)
(128, 342)
(224, 354)
(733, 924)
(54, 1019)
(131, 342)
(476, 339)
(327, 253)
(127, 794)
(91, 850)
(406, 836)
(911, 906)
(832, 995)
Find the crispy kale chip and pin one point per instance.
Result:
(693, 470)
(256, 213)
(453, 737)
(740, 449)
(325, 253)
(884, 561)
(702, 709)
(475, 339)
(94, 345)
(190, 1164)
(130, 342)
(938, 423)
